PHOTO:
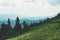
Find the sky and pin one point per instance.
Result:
(29, 8)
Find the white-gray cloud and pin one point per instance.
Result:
(29, 9)
(6, 3)
(29, 0)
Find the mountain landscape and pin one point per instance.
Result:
(46, 31)
(29, 19)
(34, 28)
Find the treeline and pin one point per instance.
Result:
(6, 30)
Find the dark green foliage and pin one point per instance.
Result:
(17, 27)
(6, 29)
(58, 15)
(9, 28)
(32, 24)
(9, 25)
(26, 27)
(9, 22)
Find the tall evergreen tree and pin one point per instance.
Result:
(9, 24)
(9, 27)
(17, 27)
(26, 27)
(6, 29)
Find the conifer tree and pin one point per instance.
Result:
(17, 27)
(9, 25)
(26, 27)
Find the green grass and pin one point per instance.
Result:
(56, 20)
(48, 31)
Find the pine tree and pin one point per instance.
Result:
(17, 27)
(9, 28)
(9, 25)
(26, 27)
(6, 29)
(9, 22)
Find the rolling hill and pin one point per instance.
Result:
(47, 31)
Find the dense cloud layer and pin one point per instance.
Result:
(30, 8)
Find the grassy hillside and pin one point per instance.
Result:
(48, 31)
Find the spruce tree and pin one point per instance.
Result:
(9, 25)
(9, 22)
(26, 28)
(17, 27)
(9, 28)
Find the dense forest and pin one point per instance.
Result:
(6, 30)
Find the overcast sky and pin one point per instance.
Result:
(29, 8)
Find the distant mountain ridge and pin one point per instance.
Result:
(4, 19)
(21, 21)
